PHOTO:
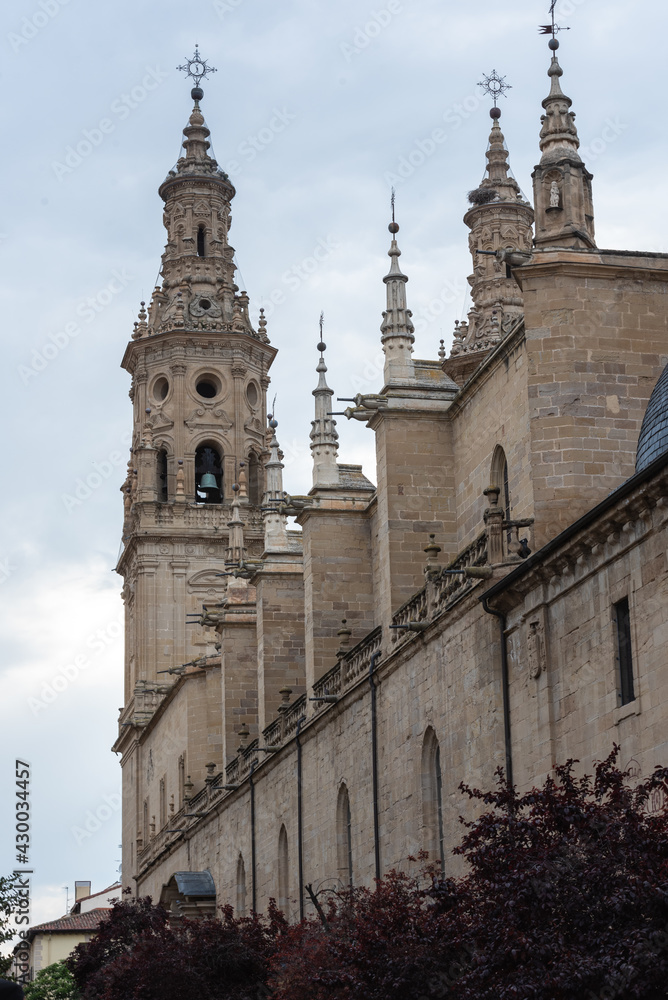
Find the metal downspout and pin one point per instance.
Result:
(300, 822)
(505, 688)
(252, 805)
(374, 763)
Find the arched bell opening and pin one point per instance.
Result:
(161, 476)
(254, 487)
(201, 242)
(208, 475)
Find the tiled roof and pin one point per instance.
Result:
(653, 440)
(72, 923)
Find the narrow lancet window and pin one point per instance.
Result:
(344, 837)
(624, 654)
(283, 871)
(241, 887)
(162, 476)
(201, 248)
(254, 492)
(432, 798)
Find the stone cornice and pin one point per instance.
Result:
(593, 264)
(227, 339)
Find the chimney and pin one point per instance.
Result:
(81, 890)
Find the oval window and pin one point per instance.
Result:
(208, 386)
(252, 394)
(160, 388)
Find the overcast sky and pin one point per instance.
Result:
(316, 109)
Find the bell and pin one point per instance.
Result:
(208, 482)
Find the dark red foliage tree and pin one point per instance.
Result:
(138, 955)
(565, 898)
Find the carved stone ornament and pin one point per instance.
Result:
(536, 649)
(204, 306)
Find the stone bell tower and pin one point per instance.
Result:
(199, 383)
(500, 220)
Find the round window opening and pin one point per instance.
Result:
(205, 303)
(252, 394)
(161, 388)
(207, 388)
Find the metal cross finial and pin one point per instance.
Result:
(495, 86)
(196, 67)
(392, 204)
(322, 346)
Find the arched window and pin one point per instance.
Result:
(432, 798)
(344, 837)
(161, 473)
(241, 887)
(498, 476)
(201, 248)
(254, 492)
(208, 475)
(283, 871)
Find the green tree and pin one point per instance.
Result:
(9, 898)
(55, 982)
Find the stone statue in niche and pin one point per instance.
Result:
(554, 195)
(536, 649)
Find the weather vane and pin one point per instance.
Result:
(196, 67)
(495, 86)
(552, 29)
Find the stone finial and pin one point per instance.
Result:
(285, 693)
(262, 327)
(344, 634)
(187, 789)
(180, 495)
(242, 480)
(397, 330)
(562, 184)
(275, 523)
(432, 550)
(244, 733)
(324, 437)
(179, 311)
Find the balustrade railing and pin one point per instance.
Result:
(414, 610)
(446, 588)
(356, 662)
(292, 715)
(327, 686)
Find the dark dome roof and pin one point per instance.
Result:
(653, 440)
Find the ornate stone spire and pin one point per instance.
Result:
(500, 220)
(397, 329)
(324, 437)
(561, 182)
(275, 524)
(236, 546)
(198, 290)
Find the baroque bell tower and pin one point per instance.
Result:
(199, 382)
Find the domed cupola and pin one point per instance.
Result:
(653, 440)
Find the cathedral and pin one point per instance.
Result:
(308, 679)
